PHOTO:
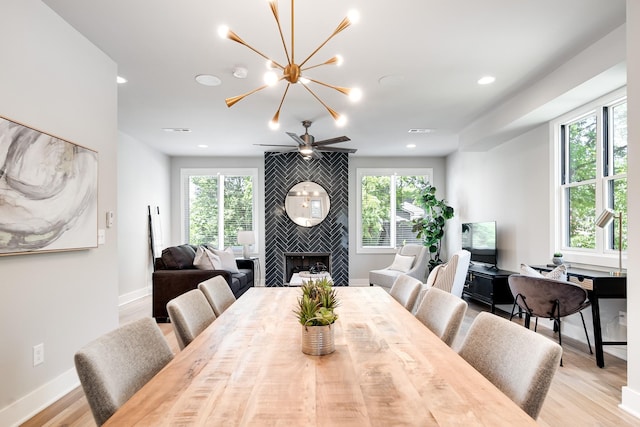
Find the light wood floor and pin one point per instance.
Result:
(581, 393)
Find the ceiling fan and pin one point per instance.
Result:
(309, 148)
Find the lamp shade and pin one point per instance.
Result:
(605, 217)
(246, 237)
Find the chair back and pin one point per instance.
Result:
(116, 365)
(190, 314)
(405, 290)
(443, 313)
(515, 359)
(547, 298)
(421, 262)
(464, 257)
(218, 294)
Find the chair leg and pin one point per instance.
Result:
(586, 334)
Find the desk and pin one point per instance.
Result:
(599, 285)
(247, 368)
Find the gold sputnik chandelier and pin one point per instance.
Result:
(292, 72)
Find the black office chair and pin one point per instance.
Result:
(550, 299)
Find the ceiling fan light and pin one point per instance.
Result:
(306, 150)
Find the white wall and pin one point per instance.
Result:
(631, 393)
(54, 80)
(143, 180)
(361, 264)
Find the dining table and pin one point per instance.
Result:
(388, 369)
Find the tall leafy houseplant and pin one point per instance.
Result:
(430, 227)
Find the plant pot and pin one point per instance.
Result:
(317, 340)
(557, 260)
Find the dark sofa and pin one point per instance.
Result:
(175, 274)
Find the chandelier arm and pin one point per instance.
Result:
(344, 24)
(292, 34)
(233, 36)
(233, 100)
(331, 111)
(343, 90)
(274, 9)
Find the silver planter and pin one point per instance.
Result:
(317, 340)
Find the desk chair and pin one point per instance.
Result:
(218, 294)
(518, 361)
(190, 314)
(548, 298)
(116, 365)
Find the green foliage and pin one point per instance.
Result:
(557, 254)
(430, 228)
(317, 303)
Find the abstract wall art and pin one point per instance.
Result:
(48, 192)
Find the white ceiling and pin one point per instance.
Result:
(434, 51)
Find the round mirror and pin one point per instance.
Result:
(307, 204)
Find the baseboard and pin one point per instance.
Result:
(630, 401)
(132, 296)
(34, 402)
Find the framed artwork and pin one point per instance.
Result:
(48, 192)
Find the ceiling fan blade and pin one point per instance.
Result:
(316, 155)
(276, 145)
(296, 138)
(337, 150)
(278, 153)
(333, 140)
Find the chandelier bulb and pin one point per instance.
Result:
(274, 125)
(339, 60)
(223, 31)
(270, 78)
(355, 94)
(353, 16)
(341, 120)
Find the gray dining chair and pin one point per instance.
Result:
(218, 294)
(405, 290)
(190, 314)
(515, 359)
(548, 298)
(443, 313)
(116, 365)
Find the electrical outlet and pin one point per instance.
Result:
(38, 354)
(622, 318)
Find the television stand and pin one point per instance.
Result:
(488, 285)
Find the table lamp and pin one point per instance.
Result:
(246, 238)
(602, 221)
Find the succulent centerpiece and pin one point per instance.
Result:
(316, 314)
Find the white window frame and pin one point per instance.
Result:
(601, 255)
(360, 173)
(185, 173)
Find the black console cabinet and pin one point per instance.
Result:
(488, 286)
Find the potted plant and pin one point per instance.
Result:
(316, 314)
(431, 226)
(557, 258)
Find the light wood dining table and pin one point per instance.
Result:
(388, 369)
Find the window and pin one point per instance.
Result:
(217, 204)
(592, 172)
(387, 203)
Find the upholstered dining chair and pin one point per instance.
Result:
(116, 365)
(518, 361)
(190, 314)
(548, 298)
(218, 294)
(405, 290)
(443, 313)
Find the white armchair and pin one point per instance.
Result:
(411, 260)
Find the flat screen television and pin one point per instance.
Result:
(479, 238)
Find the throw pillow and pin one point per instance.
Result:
(558, 273)
(402, 263)
(227, 260)
(205, 259)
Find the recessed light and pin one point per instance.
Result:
(203, 146)
(486, 80)
(420, 130)
(176, 130)
(208, 80)
(411, 145)
(121, 80)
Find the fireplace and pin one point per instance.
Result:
(296, 262)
